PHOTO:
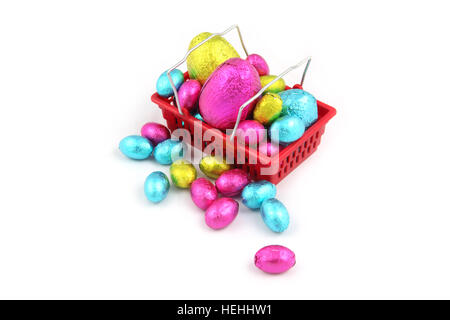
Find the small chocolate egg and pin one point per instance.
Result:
(198, 116)
(163, 86)
(274, 259)
(221, 213)
(255, 193)
(182, 173)
(268, 109)
(299, 103)
(155, 132)
(276, 87)
(259, 63)
(188, 94)
(156, 186)
(231, 182)
(250, 132)
(275, 215)
(136, 147)
(269, 148)
(287, 129)
(213, 166)
(168, 151)
(203, 193)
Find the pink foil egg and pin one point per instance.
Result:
(274, 259)
(203, 193)
(221, 213)
(232, 182)
(250, 131)
(233, 83)
(259, 63)
(269, 149)
(155, 132)
(188, 94)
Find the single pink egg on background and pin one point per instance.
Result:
(203, 193)
(269, 149)
(221, 213)
(275, 259)
(259, 63)
(232, 182)
(250, 132)
(155, 132)
(188, 94)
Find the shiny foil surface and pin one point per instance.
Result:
(255, 193)
(232, 182)
(168, 151)
(299, 103)
(287, 129)
(276, 87)
(213, 166)
(182, 173)
(268, 109)
(275, 259)
(156, 187)
(250, 132)
(259, 63)
(269, 149)
(188, 94)
(136, 147)
(163, 86)
(203, 193)
(155, 132)
(221, 213)
(275, 215)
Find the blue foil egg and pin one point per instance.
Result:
(136, 147)
(287, 129)
(299, 103)
(255, 193)
(156, 186)
(163, 86)
(198, 116)
(168, 151)
(275, 215)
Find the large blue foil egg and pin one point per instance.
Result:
(156, 186)
(255, 193)
(163, 86)
(275, 215)
(287, 129)
(168, 151)
(136, 147)
(299, 103)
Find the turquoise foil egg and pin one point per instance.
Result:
(198, 116)
(169, 151)
(163, 86)
(299, 103)
(156, 186)
(275, 215)
(136, 147)
(255, 193)
(287, 129)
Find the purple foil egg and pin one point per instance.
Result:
(155, 132)
(269, 149)
(259, 63)
(250, 131)
(188, 94)
(221, 213)
(233, 83)
(203, 193)
(275, 259)
(232, 182)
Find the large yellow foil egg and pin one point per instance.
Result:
(182, 173)
(206, 58)
(213, 166)
(276, 87)
(268, 109)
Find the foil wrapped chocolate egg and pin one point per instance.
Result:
(203, 193)
(168, 151)
(155, 132)
(275, 259)
(136, 147)
(287, 129)
(156, 186)
(213, 166)
(163, 86)
(221, 213)
(250, 132)
(276, 87)
(198, 116)
(188, 94)
(269, 149)
(255, 193)
(275, 215)
(182, 173)
(259, 63)
(268, 108)
(299, 103)
(230, 86)
(232, 182)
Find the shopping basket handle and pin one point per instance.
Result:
(177, 101)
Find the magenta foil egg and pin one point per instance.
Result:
(221, 213)
(274, 259)
(155, 132)
(188, 94)
(203, 193)
(269, 149)
(250, 131)
(259, 63)
(233, 83)
(232, 182)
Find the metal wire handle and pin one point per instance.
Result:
(177, 101)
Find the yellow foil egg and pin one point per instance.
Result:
(206, 58)
(182, 173)
(268, 109)
(213, 167)
(276, 87)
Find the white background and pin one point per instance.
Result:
(370, 214)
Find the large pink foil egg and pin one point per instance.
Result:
(274, 259)
(188, 94)
(269, 149)
(233, 83)
(232, 182)
(221, 213)
(250, 131)
(259, 63)
(155, 132)
(203, 193)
